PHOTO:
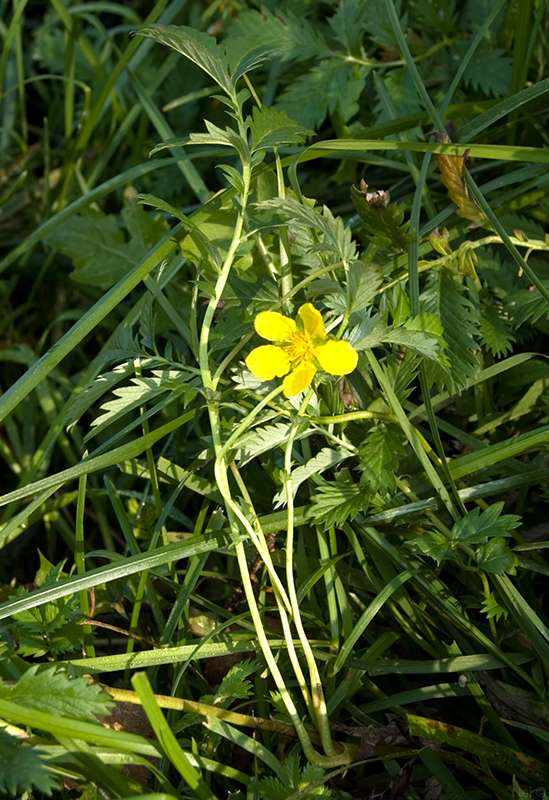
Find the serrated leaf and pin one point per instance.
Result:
(234, 685)
(272, 128)
(243, 55)
(260, 440)
(497, 557)
(489, 70)
(139, 392)
(438, 14)
(433, 544)
(93, 391)
(98, 247)
(52, 690)
(293, 38)
(332, 84)
(325, 459)
(348, 23)
(379, 457)
(444, 297)
(336, 502)
(384, 224)
(379, 26)
(196, 46)
(495, 329)
(528, 306)
(337, 237)
(492, 608)
(363, 284)
(22, 768)
(476, 527)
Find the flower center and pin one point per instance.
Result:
(301, 348)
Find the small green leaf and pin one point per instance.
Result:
(476, 527)
(235, 684)
(336, 502)
(497, 557)
(433, 544)
(379, 454)
(272, 128)
(384, 222)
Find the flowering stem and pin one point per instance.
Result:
(321, 713)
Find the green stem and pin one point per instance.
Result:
(321, 712)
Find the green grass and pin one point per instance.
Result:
(276, 597)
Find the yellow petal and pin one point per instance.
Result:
(274, 326)
(336, 357)
(312, 321)
(267, 362)
(298, 380)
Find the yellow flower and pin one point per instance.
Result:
(302, 347)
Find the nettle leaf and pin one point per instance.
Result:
(497, 557)
(98, 247)
(379, 26)
(272, 128)
(383, 222)
(292, 38)
(325, 459)
(379, 457)
(54, 691)
(495, 328)
(196, 46)
(445, 297)
(23, 768)
(476, 527)
(336, 502)
(333, 84)
(433, 544)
